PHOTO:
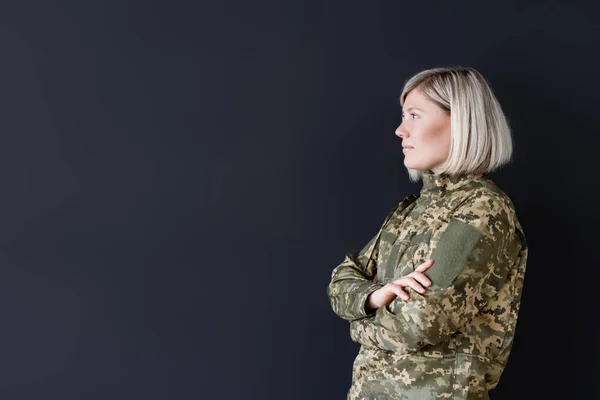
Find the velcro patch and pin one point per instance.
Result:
(452, 252)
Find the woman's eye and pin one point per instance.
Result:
(413, 115)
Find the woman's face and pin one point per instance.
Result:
(425, 133)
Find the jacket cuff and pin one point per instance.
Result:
(362, 293)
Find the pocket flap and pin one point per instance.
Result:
(421, 237)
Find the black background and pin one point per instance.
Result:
(180, 178)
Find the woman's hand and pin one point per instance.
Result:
(389, 292)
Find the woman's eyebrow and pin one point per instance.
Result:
(413, 108)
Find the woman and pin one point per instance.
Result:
(433, 298)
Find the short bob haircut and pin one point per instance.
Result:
(480, 138)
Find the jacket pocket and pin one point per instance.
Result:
(393, 267)
(398, 254)
(423, 244)
(386, 249)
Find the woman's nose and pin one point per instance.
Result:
(400, 132)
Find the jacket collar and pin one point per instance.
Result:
(439, 184)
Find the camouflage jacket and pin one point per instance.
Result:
(453, 341)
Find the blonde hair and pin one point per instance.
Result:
(480, 138)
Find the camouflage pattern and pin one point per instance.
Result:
(452, 342)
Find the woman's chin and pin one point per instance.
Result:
(410, 165)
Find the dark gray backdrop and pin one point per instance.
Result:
(180, 178)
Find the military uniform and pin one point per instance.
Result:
(453, 341)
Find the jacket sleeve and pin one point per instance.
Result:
(471, 262)
(352, 282)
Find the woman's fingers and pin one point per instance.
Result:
(421, 278)
(414, 280)
(424, 266)
(399, 290)
(410, 281)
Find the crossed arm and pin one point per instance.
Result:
(470, 265)
(351, 283)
